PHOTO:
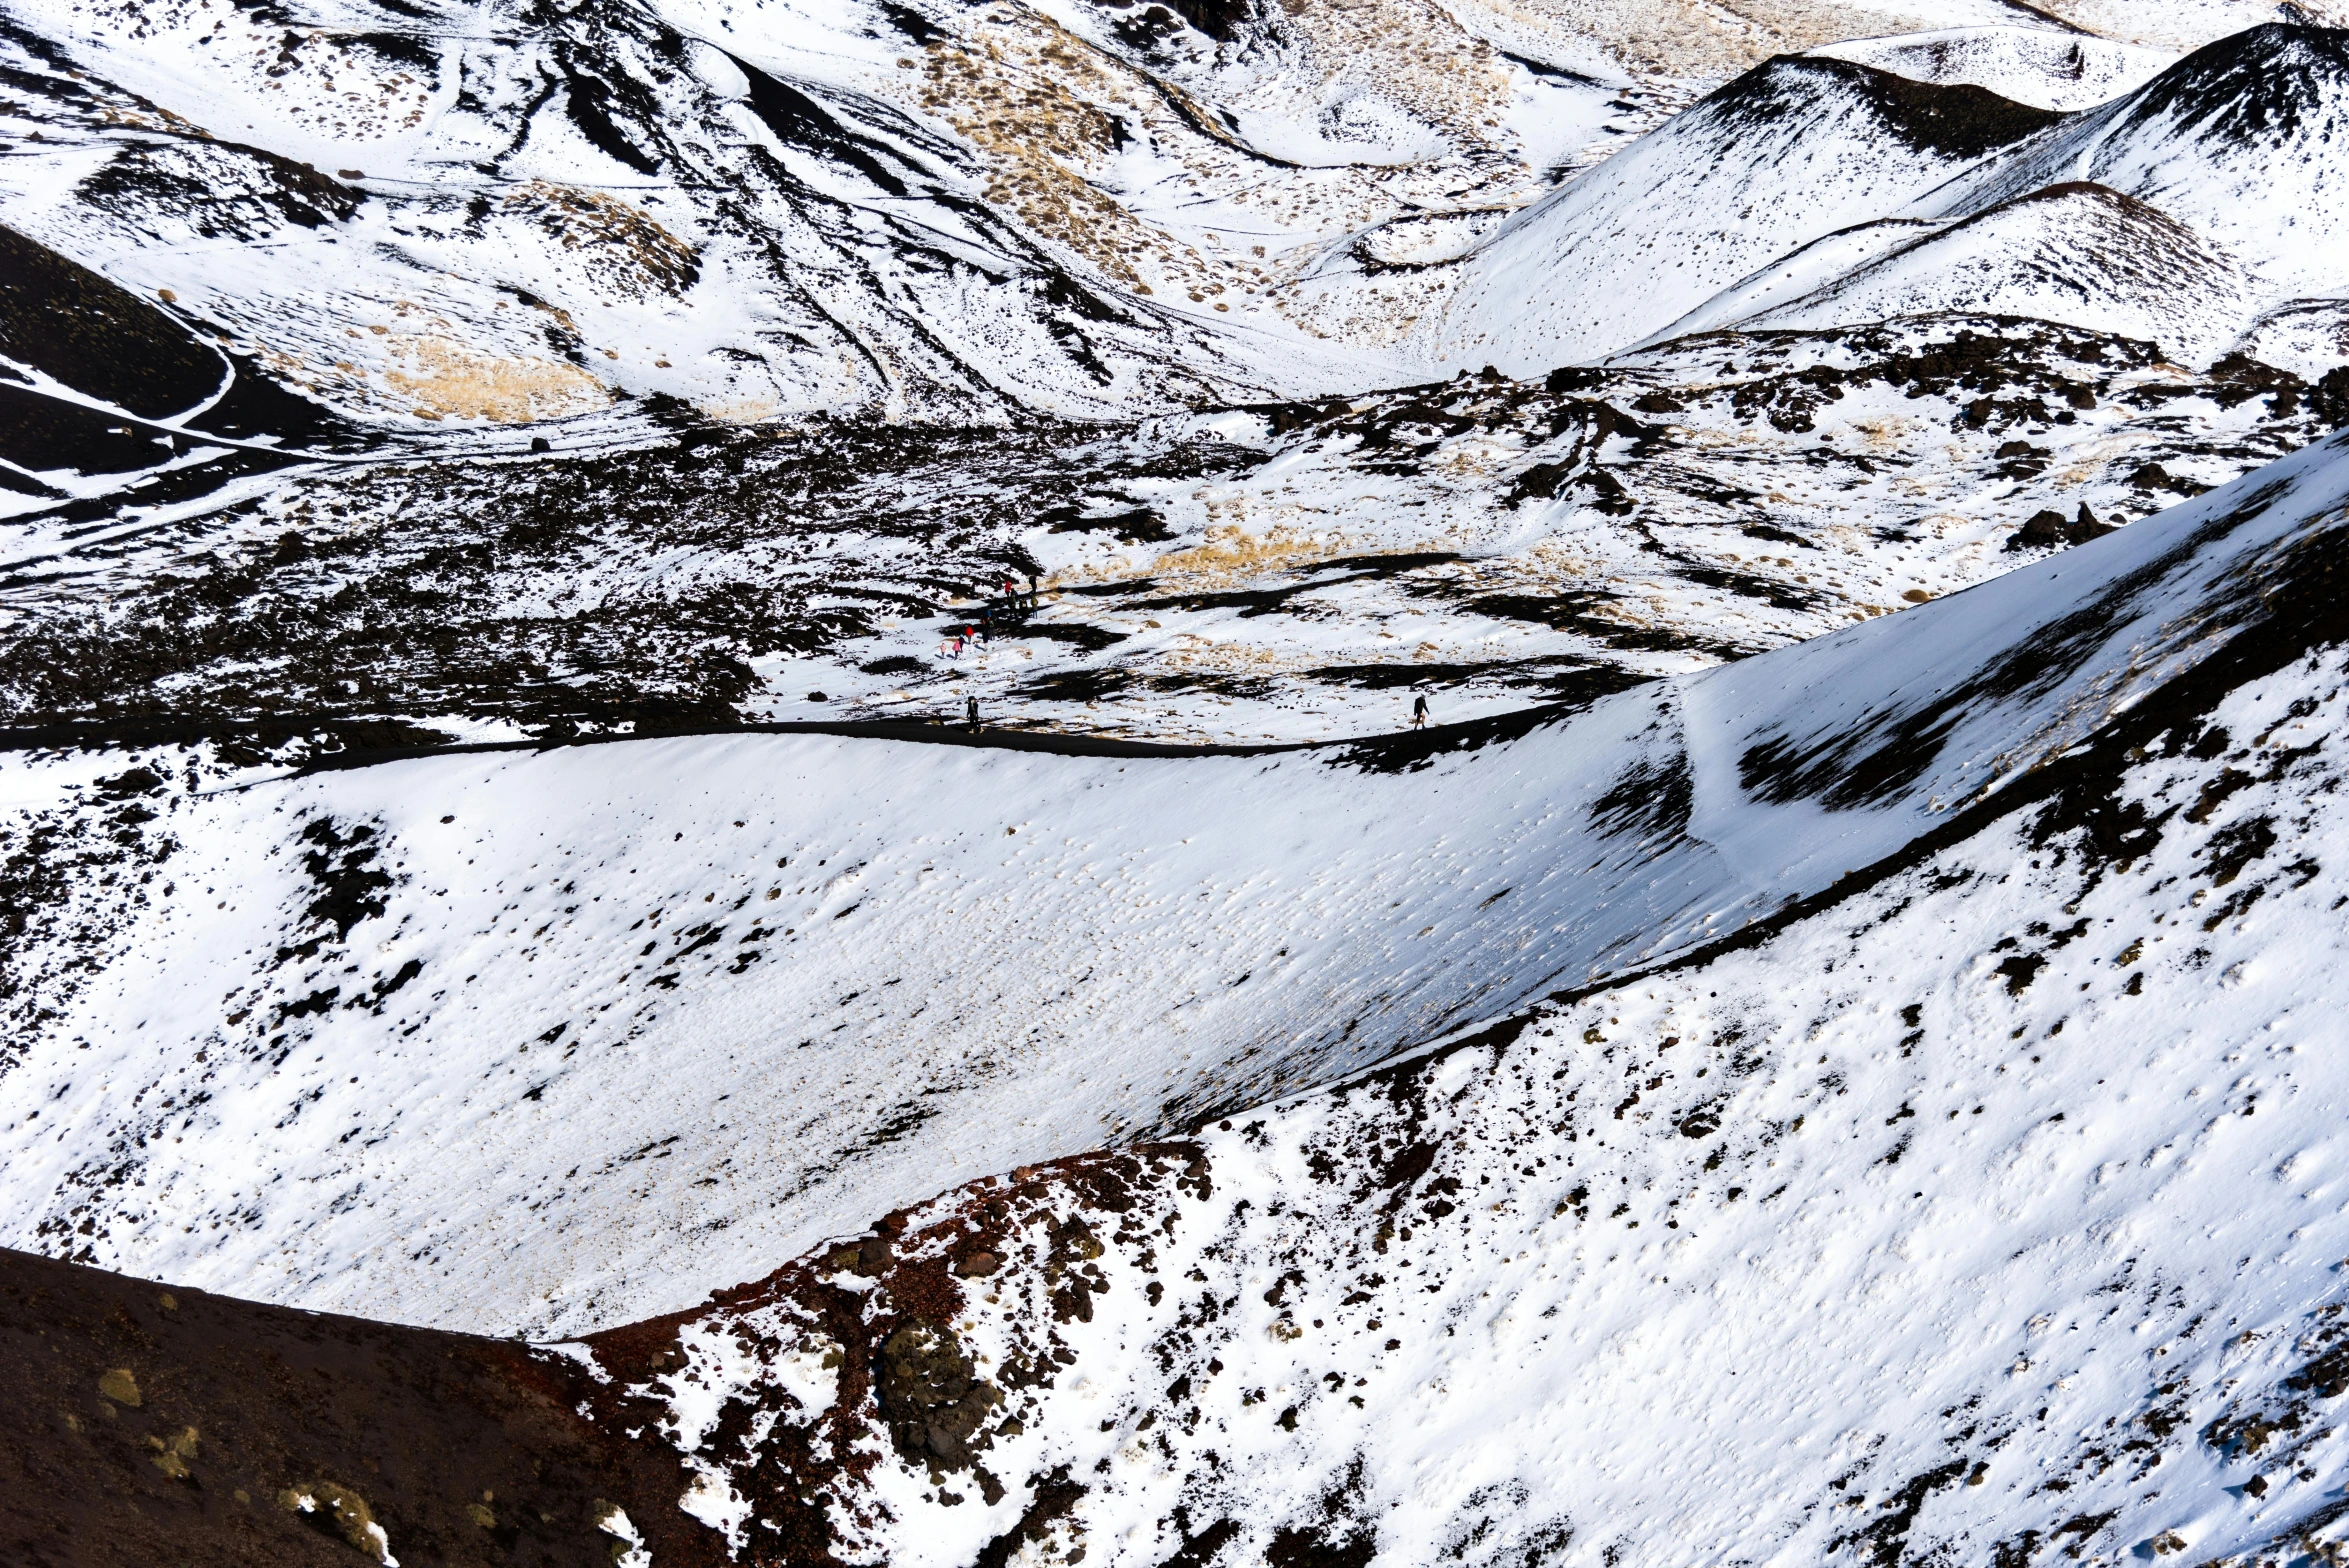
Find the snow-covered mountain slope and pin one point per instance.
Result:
(153, 579)
(423, 215)
(1790, 152)
(1984, 1211)
(439, 221)
(1987, 1212)
(2181, 25)
(1798, 273)
(2035, 65)
(507, 1007)
(100, 388)
(420, 221)
(2078, 254)
(2304, 335)
(2243, 141)
(1768, 1075)
(1729, 216)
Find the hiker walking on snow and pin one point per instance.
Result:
(1418, 710)
(970, 710)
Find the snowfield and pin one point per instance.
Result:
(2079, 253)
(1791, 152)
(731, 691)
(1807, 175)
(2033, 65)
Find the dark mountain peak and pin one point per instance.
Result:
(2261, 84)
(1960, 122)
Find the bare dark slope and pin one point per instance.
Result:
(151, 1427)
(2267, 84)
(1958, 121)
(89, 334)
(66, 321)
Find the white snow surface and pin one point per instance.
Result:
(1796, 150)
(551, 1041)
(2246, 141)
(2304, 336)
(1791, 184)
(1406, 1157)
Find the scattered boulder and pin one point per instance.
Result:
(931, 1395)
(2329, 398)
(2050, 529)
(338, 1511)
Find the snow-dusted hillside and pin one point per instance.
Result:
(2035, 65)
(1288, 572)
(1079, 199)
(494, 1005)
(1792, 151)
(662, 643)
(1791, 199)
(2242, 140)
(2079, 254)
(418, 226)
(1986, 1210)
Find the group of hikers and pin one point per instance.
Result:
(974, 636)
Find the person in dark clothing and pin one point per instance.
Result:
(970, 709)
(1418, 710)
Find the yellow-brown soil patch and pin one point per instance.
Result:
(444, 378)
